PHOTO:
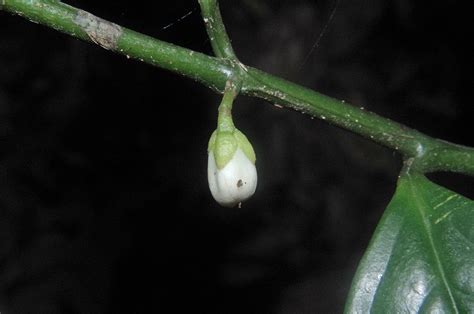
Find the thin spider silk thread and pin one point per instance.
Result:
(318, 40)
(179, 19)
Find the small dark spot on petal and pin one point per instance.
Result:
(239, 183)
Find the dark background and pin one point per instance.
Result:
(104, 204)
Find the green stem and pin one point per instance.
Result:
(220, 42)
(424, 153)
(212, 72)
(224, 118)
(427, 154)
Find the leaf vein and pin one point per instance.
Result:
(421, 205)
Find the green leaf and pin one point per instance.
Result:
(421, 257)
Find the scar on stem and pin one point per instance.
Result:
(100, 31)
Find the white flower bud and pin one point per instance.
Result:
(234, 183)
(231, 171)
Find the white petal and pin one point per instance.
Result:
(234, 183)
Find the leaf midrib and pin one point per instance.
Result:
(420, 205)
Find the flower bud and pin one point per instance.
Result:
(231, 171)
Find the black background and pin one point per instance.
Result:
(104, 204)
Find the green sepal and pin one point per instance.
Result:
(245, 146)
(224, 144)
(212, 142)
